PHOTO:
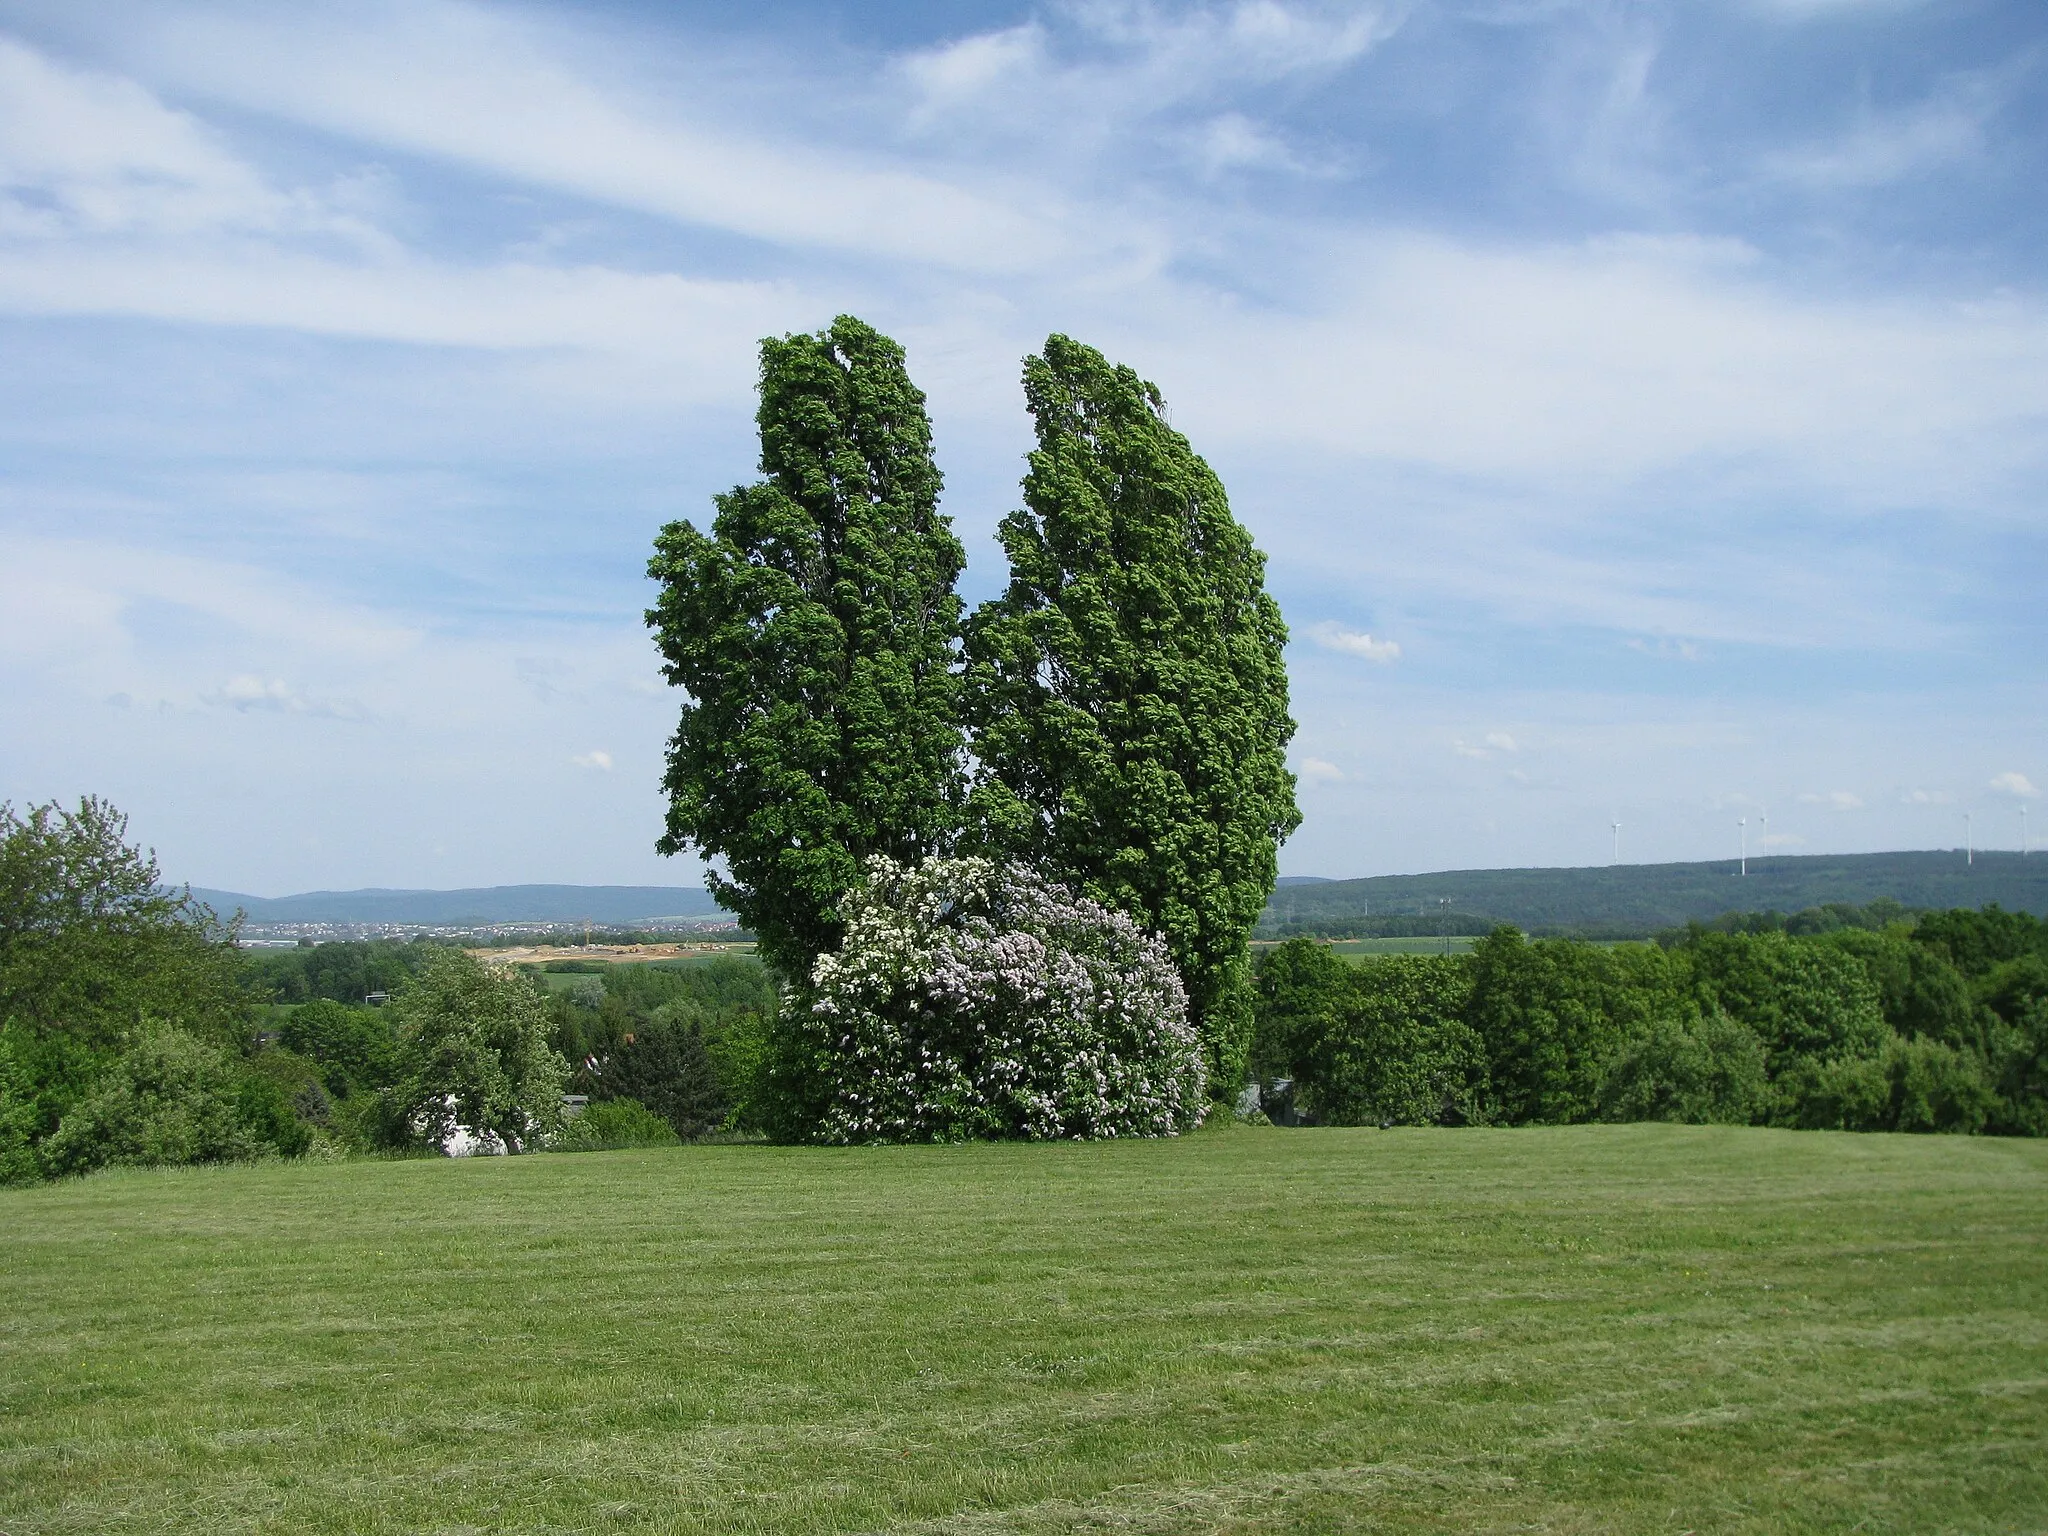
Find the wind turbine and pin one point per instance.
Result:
(1969, 841)
(1742, 832)
(1617, 842)
(2023, 831)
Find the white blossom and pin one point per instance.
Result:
(971, 999)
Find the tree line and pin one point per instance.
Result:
(1937, 1022)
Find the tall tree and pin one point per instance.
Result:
(816, 631)
(1128, 692)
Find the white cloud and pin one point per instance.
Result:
(1926, 797)
(85, 154)
(249, 692)
(500, 92)
(593, 759)
(1333, 636)
(2016, 785)
(1314, 770)
(1495, 742)
(1834, 800)
(1684, 650)
(1781, 840)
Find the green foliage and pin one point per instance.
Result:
(1919, 993)
(340, 972)
(356, 1048)
(1555, 1014)
(1128, 691)
(1854, 1029)
(299, 1079)
(1805, 1000)
(92, 945)
(2016, 996)
(475, 1044)
(667, 1068)
(99, 967)
(1382, 1042)
(1702, 1069)
(728, 1004)
(1908, 1085)
(171, 1098)
(1976, 943)
(605, 1124)
(815, 630)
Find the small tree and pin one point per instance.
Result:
(1128, 691)
(815, 630)
(95, 954)
(93, 944)
(972, 1000)
(475, 1043)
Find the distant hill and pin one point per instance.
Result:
(1643, 898)
(495, 904)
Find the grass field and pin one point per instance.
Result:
(1359, 948)
(1627, 1329)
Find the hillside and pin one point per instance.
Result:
(493, 904)
(1643, 898)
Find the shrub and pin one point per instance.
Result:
(1705, 1069)
(1908, 1085)
(613, 1123)
(666, 1068)
(474, 1041)
(971, 999)
(171, 1098)
(1382, 1041)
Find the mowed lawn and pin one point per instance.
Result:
(1629, 1329)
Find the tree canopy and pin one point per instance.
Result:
(1128, 692)
(815, 629)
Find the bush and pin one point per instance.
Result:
(667, 1068)
(171, 1098)
(1909, 1085)
(1365, 1044)
(1700, 1070)
(976, 1000)
(474, 1042)
(610, 1123)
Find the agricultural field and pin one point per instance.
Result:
(1598, 1328)
(1360, 948)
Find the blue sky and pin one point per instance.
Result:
(1645, 406)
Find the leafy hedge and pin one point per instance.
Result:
(1935, 1025)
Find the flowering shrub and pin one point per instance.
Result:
(971, 999)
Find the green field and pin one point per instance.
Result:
(1600, 1328)
(1360, 948)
